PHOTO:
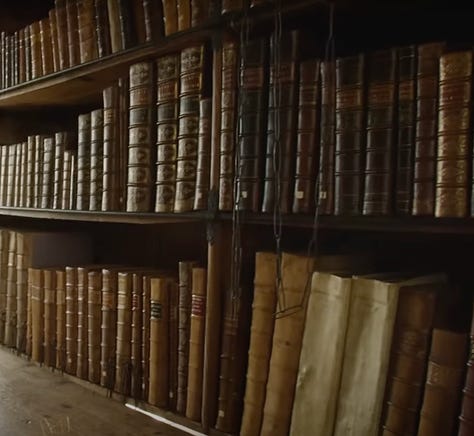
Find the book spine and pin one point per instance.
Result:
(97, 158)
(18, 175)
(102, 30)
(141, 138)
(83, 161)
(4, 174)
(38, 170)
(35, 41)
(24, 174)
(4, 243)
(82, 318)
(173, 298)
(196, 344)
(27, 54)
(10, 317)
(138, 13)
(146, 290)
(54, 42)
(21, 293)
(232, 6)
(94, 305)
(167, 132)
(86, 26)
(11, 175)
(114, 23)
(228, 125)
(61, 320)
(153, 20)
(71, 320)
(170, 15)
(127, 27)
(199, 12)
(49, 277)
(124, 135)
(67, 176)
(60, 144)
(47, 178)
(21, 56)
(379, 167)
(35, 276)
(62, 32)
(454, 143)
(72, 33)
(184, 14)
(46, 46)
(137, 337)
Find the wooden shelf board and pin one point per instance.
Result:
(104, 217)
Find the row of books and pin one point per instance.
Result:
(75, 32)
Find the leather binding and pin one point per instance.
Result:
(170, 16)
(35, 276)
(123, 141)
(18, 175)
(153, 13)
(196, 344)
(327, 142)
(10, 311)
(11, 175)
(24, 175)
(184, 14)
(14, 54)
(167, 128)
(379, 166)
(83, 161)
(71, 320)
(21, 56)
(253, 101)
(146, 290)
(39, 165)
(426, 127)
(61, 320)
(141, 138)
(114, 23)
(173, 298)
(350, 135)
(307, 153)
(46, 49)
(405, 147)
(121, 24)
(60, 144)
(29, 323)
(4, 236)
(203, 155)
(62, 32)
(72, 32)
(6, 62)
(444, 378)
(82, 318)
(49, 278)
(111, 120)
(454, 122)
(199, 12)
(191, 86)
(108, 328)
(86, 24)
(409, 355)
(48, 172)
(54, 43)
(97, 158)
(30, 171)
(35, 42)
(27, 54)
(94, 304)
(228, 124)
(4, 174)
(184, 318)
(159, 341)
(22, 263)
(137, 336)
(3, 84)
(138, 11)
(261, 335)
(232, 6)
(102, 29)
(66, 194)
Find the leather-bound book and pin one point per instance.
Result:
(94, 306)
(128, 31)
(454, 143)
(61, 320)
(443, 385)
(405, 145)
(167, 128)
(49, 279)
(14, 55)
(22, 264)
(138, 12)
(82, 319)
(124, 139)
(4, 237)
(10, 312)
(86, 16)
(30, 172)
(381, 101)
(67, 176)
(141, 138)
(4, 174)
(21, 56)
(38, 170)
(24, 174)
(281, 124)
(159, 341)
(18, 175)
(229, 109)
(121, 24)
(72, 32)
(108, 328)
(114, 23)
(191, 86)
(111, 120)
(62, 32)
(184, 14)
(146, 303)
(35, 276)
(426, 132)
(170, 16)
(173, 298)
(154, 26)
(11, 175)
(46, 48)
(307, 151)
(327, 142)
(54, 41)
(409, 354)
(136, 383)
(83, 161)
(232, 6)
(102, 28)
(3, 66)
(97, 157)
(199, 12)
(29, 324)
(350, 135)
(71, 320)
(196, 344)
(35, 43)
(62, 142)
(47, 178)
(204, 155)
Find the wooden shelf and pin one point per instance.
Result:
(104, 217)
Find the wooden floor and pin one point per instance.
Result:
(37, 402)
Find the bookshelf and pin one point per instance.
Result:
(209, 235)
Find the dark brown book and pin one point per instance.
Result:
(96, 159)
(141, 138)
(94, 307)
(82, 319)
(54, 41)
(46, 46)
(138, 11)
(10, 309)
(153, 14)
(379, 165)
(146, 292)
(350, 135)
(83, 161)
(123, 141)
(62, 32)
(22, 264)
(122, 32)
(30, 170)
(170, 16)
(35, 277)
(49, 278)
(184, 14)
(454, 123)
(199, 12)
(3, 36)
(61, 320)
(11, 175)
(18, 175)
(47, 178)
(114, 23)
(61, 143)
(71, 320)
(191, 80)
(4, 174)
(232, 6)
(405, 145)
(203, 155)
(173, 296)
(167, 132)
(4, 236)
(441, 399)
(86, 25)
(72, 32)
(38, 170)
(27, 53)
(102, 28)
(21, 56)
(14, 56)
(307, 151)
(136, 383)
(24, 174)
(227, 146)
(35, 44)
(426, 133)
(196, 344)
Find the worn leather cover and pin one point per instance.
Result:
(87, 30)
(108, 328)
(83, 161)
(47, 179)
(170, 16)
(62, 34)
(36, 63)
(46, 46)
(184, 14)
(102, 28)
(4, 242)
(204, 155)
(72, 33)
(36, 278)
(97, 158)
